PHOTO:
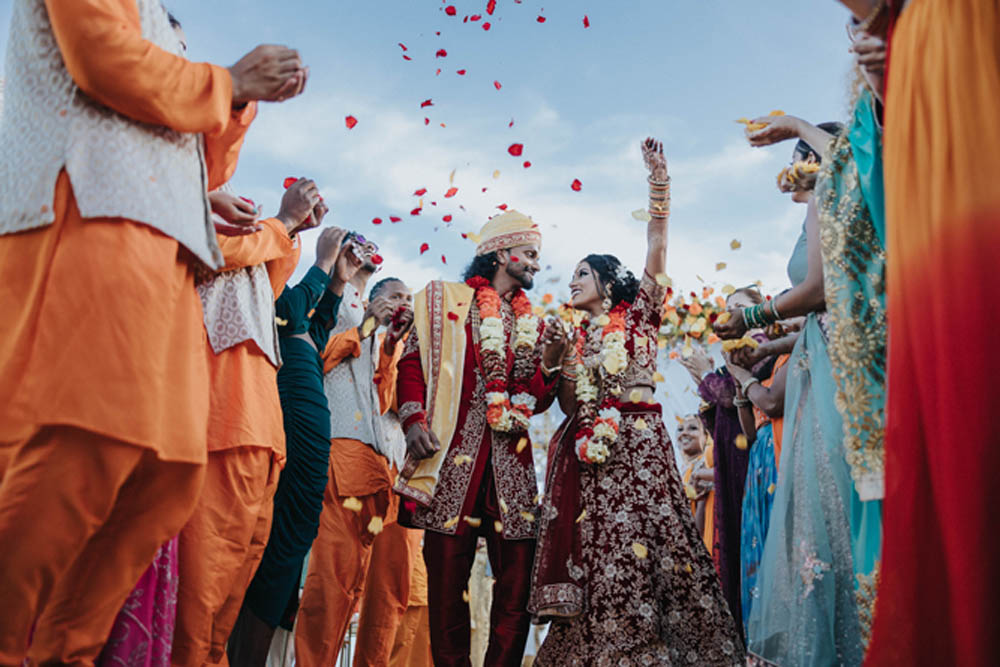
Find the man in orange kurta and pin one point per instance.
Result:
(103, 380)
(358, 503)
(222, 543)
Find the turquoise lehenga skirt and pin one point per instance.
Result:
(822, 540)
(758, 496)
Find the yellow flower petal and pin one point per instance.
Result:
(451, 177)
(465, 596)
(475, 522)
(375, 525)
(368, 327)
(498, 526)
(642, 215)
(770, 489)
(690, 492)
(724, 317)
(538, 499)
(528, 516)
(582, 515)
(503, 506)
(475, 238)
(658, 377)
(735, 244)
(496, 173)
(453, 521)
(640, 550)
(603, 320)
(521, 444)
(663, 280)
(777, 112)
(719, 266)
(741, 441)
(462, 459)
(280, 322)
(641, 424)
(352, 504)
(357, 416)
(688, 568)
(635, 396)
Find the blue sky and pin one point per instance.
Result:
(581, 100)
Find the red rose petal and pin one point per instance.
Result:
(443, 260)
(586, 21)
(526, 164)
(424, 247)
(441, 53)
(350, 121)
(576, 185)
(447, 218)
(515, 149)
(484, 189)
(394, 218)
(514, 259)
(464, 235)
(420, 193)
(416, 211)
(496, 84)
(511, 123)
(438, 72)
(460, 72)
(406, 57)
(451, 193)
(249, 201)
(450, 10)
(426, 103)
(502, 207)
(403, 46)
(377, 259)
(376, 221)
(288, 182)
(465, 20)
(452, 316)
(475, 17)
(486, 25)
(491, 6)
(427, 121)
(541, 19)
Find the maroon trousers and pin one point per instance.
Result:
(449, 561)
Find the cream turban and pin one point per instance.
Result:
(508, 230)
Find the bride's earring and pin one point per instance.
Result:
(606, 304)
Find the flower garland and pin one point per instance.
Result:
(508, 408)
(599, 423)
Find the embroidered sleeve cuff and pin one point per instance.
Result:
(410, 413)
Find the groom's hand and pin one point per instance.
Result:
(421, 443)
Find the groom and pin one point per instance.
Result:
(476, 366)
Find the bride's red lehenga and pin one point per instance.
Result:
(620, 568)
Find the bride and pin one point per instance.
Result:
(620, 568)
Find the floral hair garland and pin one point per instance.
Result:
(509, 406)
(599, 423)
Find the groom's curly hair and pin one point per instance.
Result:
(482, 266)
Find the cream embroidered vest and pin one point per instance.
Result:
(238, 306)
(119, 167)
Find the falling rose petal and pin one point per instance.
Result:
(377, 259)
(427, 121)
(576, 185)
(496, 174)
(502, 207)
(438, 72)
(288, 182)
(475, 17)
(426, 103)
(465, 19)
(527, 164)
(424, 247)
(420, 193)
(403, 46)
(447, 218)
(586, 21)
(484, 189)
(511, 123)
(406, 57)
(376, 221)
(451, 193)
(350, 122)
(514, 259)
(541, 19)
(496, 84)
(491, 7)
(415, 211)
(441, 53)
(394, 218)
(486, 25)
(454, 318)
(450, 10)
(515, 149)
(443, 260)
(460, 72)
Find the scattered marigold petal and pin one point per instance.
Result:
(690, 492)
(547, 299)
(581, 516)
(528, 516)
(375, 525)
(473, 521)
(635, 396)
(453, 521)
(503, 506)
(770, 489)
(376, 221)
(576, 185)
(735, 244)
(586, 21)
(663, 280)
(350, 121)
(352, 504)
(280, 321)
(640, 550)
(426, 103)
(358, 416)
(723, 317)
(465, 596)
(460, 459)
(658, 377)
(438, 72)
(424, 247)
(741, 442)
(719, 266)
(451, 193)
(368, 326)
(712, 339)
(496, 84)
(498, 526)
(642, 215)
(641, 424)
(777, 112)
(521, 444)
(496, 173)
(515, 149)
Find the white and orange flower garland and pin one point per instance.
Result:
(509, 407)
(600, 422)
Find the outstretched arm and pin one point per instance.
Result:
(659, 207)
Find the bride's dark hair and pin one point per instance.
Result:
(613, 279)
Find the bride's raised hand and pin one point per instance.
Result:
(656, 163)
